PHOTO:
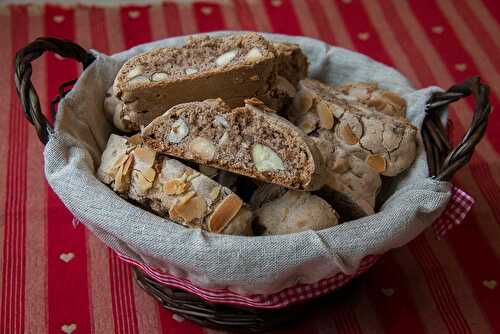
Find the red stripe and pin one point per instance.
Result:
(387, 287)
(208, 16)
(62, 236)
(478, 30)
(492, 7)
(321, 21)
(135, 23)
(13, 271)
(439, 286)
(452, 52)
(245, 16)
(172, 19)
(98, 29)
(358, 25)
(283, 17)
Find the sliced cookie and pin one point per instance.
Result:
(171, 189)
(386, 143)
(250, 141)
(295, 212)
(233, 68)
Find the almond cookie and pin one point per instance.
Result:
(292, 62)
(251, 141)
(348, 174)
(295, 212)
(233, 68)
(372, 96)
(386, 143)
(172, 189)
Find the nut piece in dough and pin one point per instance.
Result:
(224, 212)
(203, 148)
(326, 119)
(178, 132)
(226, 58)
(265, 159)
(254, 55)
(348, 135)
(159, 76)
(189, 208)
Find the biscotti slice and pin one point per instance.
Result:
(171, 189)
(293, 212)
(386, 143)
(348, 174)
(248, 141)
(234, 67)
(372, 96)
(292, 62)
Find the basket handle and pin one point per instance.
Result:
(443, 159)
(24, 87)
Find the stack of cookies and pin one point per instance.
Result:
(227, 134)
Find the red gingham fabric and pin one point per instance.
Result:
(455, 212)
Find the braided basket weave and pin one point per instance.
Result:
(443, 161)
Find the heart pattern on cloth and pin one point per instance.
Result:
(347, 1)
(177, 317)
(68, 329)
(206, 10)
(490, 284)
(133, 14)
(58, 18)
(461, 67)
(66, 257)
(437, 29)
(388, 292)
(276, 3)
(364, 36)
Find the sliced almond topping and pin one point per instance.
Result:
(159, 76)
(149, 174)
(208, 171)
(340, 166)
(377, 162)
(190, 71)
(128, 164)
(348, 135)
(224, 212)
(120, 184)
(189, 208)
(178, 132)
(135, 139)
(214, 193)
(192, 176)
(118, 163)
(394, 98)
(203, 148)
(142, 184)
(303, 101)
(326, 120)
(254, 55)
(226, 58)
(144, 158)
(175, 187)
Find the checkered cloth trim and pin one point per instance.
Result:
(297, 293)
(459, 205)
(455, 212)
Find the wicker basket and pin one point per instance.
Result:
(443, 160)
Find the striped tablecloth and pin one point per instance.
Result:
(57, 278)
